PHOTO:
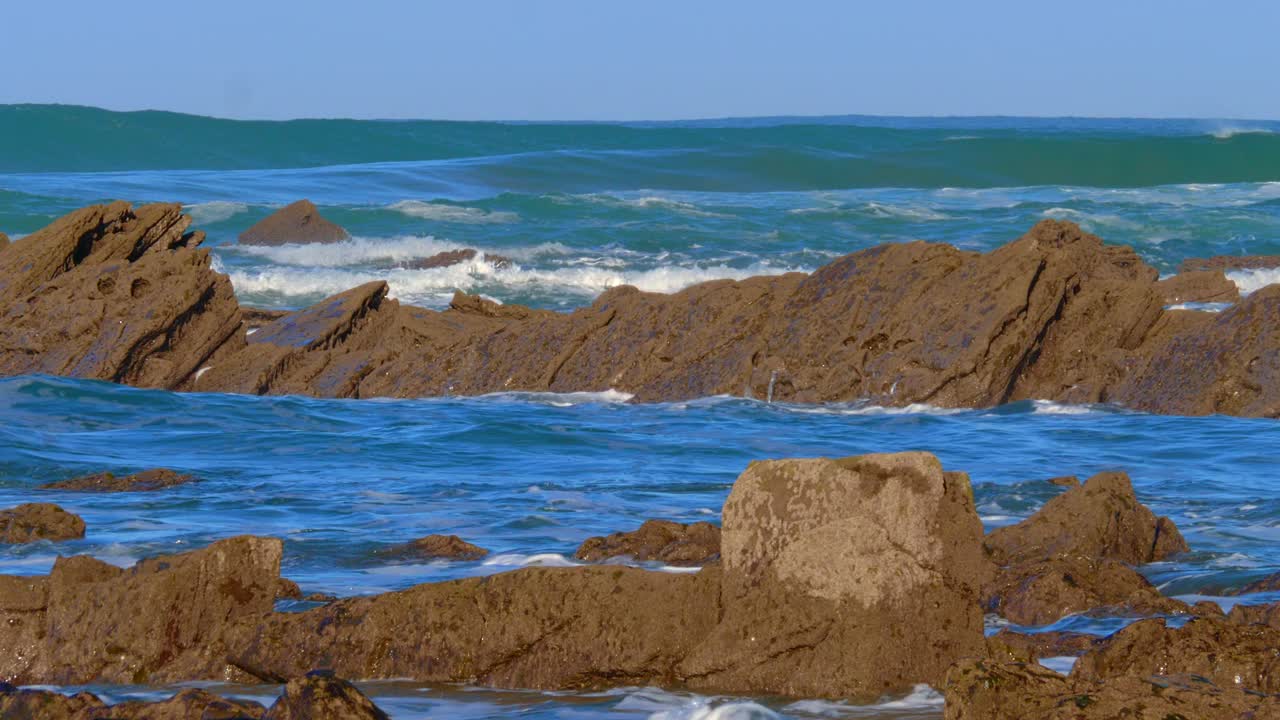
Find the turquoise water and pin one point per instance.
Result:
(581, 207)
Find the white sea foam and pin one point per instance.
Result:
(1092, 220)
(840, 409)
(436, 285)
(1200, 306)
(1048, 407)
(214, 211)
(921, 697)
(536, 559)
(569, 399)
(650, 201)
(357, 251)
(444, 212)
(1250, 281)
(1225, 132)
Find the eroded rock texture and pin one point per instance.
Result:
(663, 541)
(298, 222)
(30, 522)
(115, 293)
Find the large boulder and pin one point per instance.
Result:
(30, 522)
(1101, 519)
(849, 577)
(145, 481)
(298, 222)
(663, 541)
(161, 620)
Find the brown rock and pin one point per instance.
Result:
(1199, 286)
(190, 704)
(1229, 262)
(287, 589)
(1039, 593)
(1256, 615)
(1270, 583)
(657, 540)
(455, 257)
(4, 240)
(532, 628)
(257, 317)
(449, 547)
(299, 222)
(319, 696)
(844, 578)
(985, 690)
(1010, 646)
(1068, 481)
(1100, 519)
(30, 522)
(100, 622)
(114, 293)
(145, 481)
(1226, 653)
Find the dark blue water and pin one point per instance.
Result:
(581, 208)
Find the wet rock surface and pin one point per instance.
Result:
(1229, 262)
(30, 522)
(449, 258)
(119, 294)
(320, 696)
(1199, 286)
(437, 547)
(987, 690)
(299, 222)
(145, 481)
(662, 541)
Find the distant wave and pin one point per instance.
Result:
(452, 213)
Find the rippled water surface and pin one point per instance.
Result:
(579, 208)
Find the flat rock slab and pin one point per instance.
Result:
(145, 481)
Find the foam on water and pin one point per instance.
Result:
(1251, 281)
(214, 211)
(443, 212)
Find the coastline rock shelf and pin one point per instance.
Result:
(845, 578)
(115, 293)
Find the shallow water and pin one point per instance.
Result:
(580, 208)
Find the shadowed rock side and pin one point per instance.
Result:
(117, 294)
(298, 222)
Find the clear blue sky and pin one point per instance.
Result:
(646, 59)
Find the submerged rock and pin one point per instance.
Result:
(985, 690)
(1229, 262)
(850, 577)
(30, 522)
(449, 547)
(35, 704)
(320, 696)
(145, 481)
(449, 258)
(1101, 519)
(123, 295)
(1199, 286)
(298, 222)
(657, 540)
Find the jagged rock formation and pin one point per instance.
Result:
(1229, 262)
(118, 294)
(145, 481)
(663, 541)
(298, 222)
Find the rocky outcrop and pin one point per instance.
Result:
(299, 222)
(113, 293)
(1229, 262)
(847, 577)
(30, 522)
(449, 258)
(437, 547)
(1100, 519)
(163, 619)
(662, 541)
(1039, 593)
(1199, 286)
(313, 697)
(145, 481)
(1055, 314)
(1010, 646)
(1256, 615)
(320, 696)
(986, 690)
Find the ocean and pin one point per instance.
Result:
(579, 208)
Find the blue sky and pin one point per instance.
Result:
(651, 59)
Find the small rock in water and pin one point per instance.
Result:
(298, 222)
(321, 696)
(431, 547)
(287, 589)
(659, 540)
(455, 257)
(1065, 481)
(30, 522)
(145, 481)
